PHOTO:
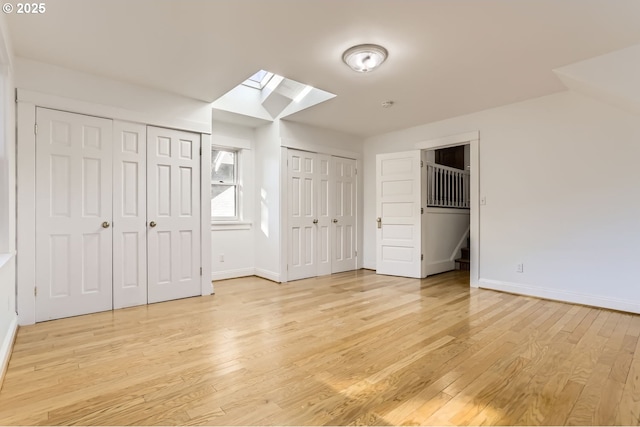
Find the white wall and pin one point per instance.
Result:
(267, 234)
(446, 232)
(8, 317)
(312, 138)
(141, 104)
(234, 242)
(562, 188)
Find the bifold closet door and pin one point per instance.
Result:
(322, 214)
(173, 214)
(73, 214)
(343, 221)
(303, 221)
(129, 214)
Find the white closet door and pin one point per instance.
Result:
(173, 214)
(302, 233)
(324, 180)
(344, 215)
(73, 214)
(129, 214)
(398, 202)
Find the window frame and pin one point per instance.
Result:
(236, 184)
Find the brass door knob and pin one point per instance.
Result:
(315, 221)
(152, 224)
(105, 224)
(335, 220)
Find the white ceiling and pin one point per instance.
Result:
(446, 57)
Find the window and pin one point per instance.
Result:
(224, 184)
(259, 80)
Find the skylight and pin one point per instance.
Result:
(259, 79)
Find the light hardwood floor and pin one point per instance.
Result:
(352, 348)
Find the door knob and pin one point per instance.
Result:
(152, 224)
(105, 224)
(379, 221)
(315, 221)
(335, 220)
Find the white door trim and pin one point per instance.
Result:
(26, 190)
(473, 139)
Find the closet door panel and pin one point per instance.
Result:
(73, 214)
(173, 214)
(303, 207)
(129, 214)
(344, 215)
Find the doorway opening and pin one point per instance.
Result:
(402, 195)
(446, 218)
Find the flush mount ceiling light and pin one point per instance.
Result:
(365, 57)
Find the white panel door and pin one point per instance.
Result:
(398, 203)
(344, 215)
(73, 214)
(324, 182)
(303, 219)
(129, 214)
(173, 214)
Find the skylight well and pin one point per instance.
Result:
(275, 97)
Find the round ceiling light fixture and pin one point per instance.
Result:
(365, 57)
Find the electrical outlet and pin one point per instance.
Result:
(221, 257)
(519, 268)
(483, 200)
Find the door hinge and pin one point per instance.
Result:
(201, 151)
(35, 129)
(421, 257)
(201, 271)
(421, 164)
(356, 173)
(422, 210)
(355, 253)
(35, 291)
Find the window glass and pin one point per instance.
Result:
(224, 184)
(223, 167)
(223, 200)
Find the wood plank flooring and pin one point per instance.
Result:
(352, 348)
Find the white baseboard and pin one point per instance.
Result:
(564, 296)
(7, 347)
(232, 274)
(269, 275)
(440, 267)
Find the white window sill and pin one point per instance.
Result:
(230, 225)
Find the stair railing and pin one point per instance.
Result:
(447, 187)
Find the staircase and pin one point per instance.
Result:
(464, 262)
